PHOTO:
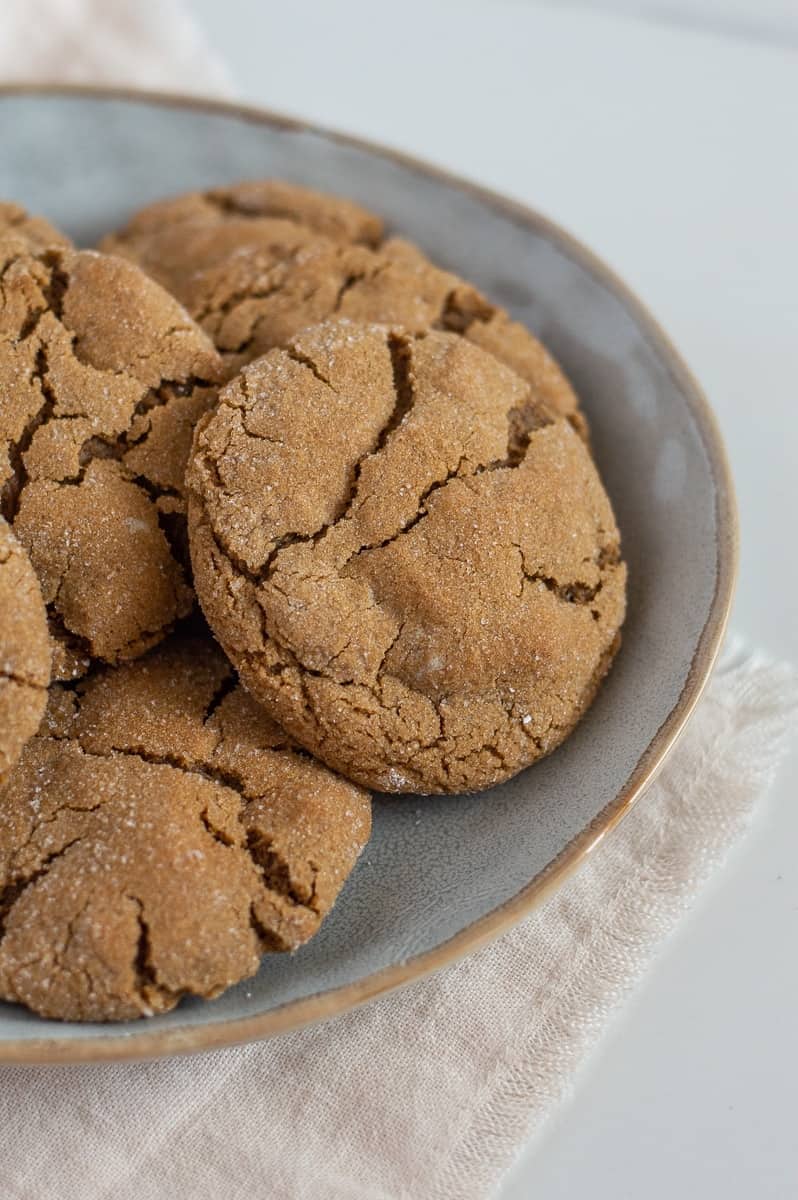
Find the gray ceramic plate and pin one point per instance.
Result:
(441, 876)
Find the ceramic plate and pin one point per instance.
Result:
(441, 876)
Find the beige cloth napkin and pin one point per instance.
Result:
(429, 1093)
(152, 44)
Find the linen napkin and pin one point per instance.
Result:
(152, 44)
(428, 1093)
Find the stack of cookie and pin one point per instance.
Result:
(380, 489)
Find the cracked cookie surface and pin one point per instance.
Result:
(24, 651)
(102, 375)
(158, 835)
(410, 561)
(257, 263)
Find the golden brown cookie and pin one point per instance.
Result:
(31, 232)
(412, 564)
(24, 651)
(257, 263)
(102, 375)
(226, 254)
(157, 836)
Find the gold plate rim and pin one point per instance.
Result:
(141, 1043)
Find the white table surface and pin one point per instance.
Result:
(670, 148)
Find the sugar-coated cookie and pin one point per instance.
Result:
(102, 375)
(157, 835)
(410, 560)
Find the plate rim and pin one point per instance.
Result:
(141, 1043)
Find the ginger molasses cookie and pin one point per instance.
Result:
(218, 223)
(257, 263)
(102, 375)
(158, 835)
(32, 232)
(24, 651)
(410, 561)
(226, 254)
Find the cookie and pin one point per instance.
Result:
(157, 836)
(102, 375)
(411, 562)
(24, 651)
(30, 232)
(217, 252)
(254, 272)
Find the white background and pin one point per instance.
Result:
(665, 135)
